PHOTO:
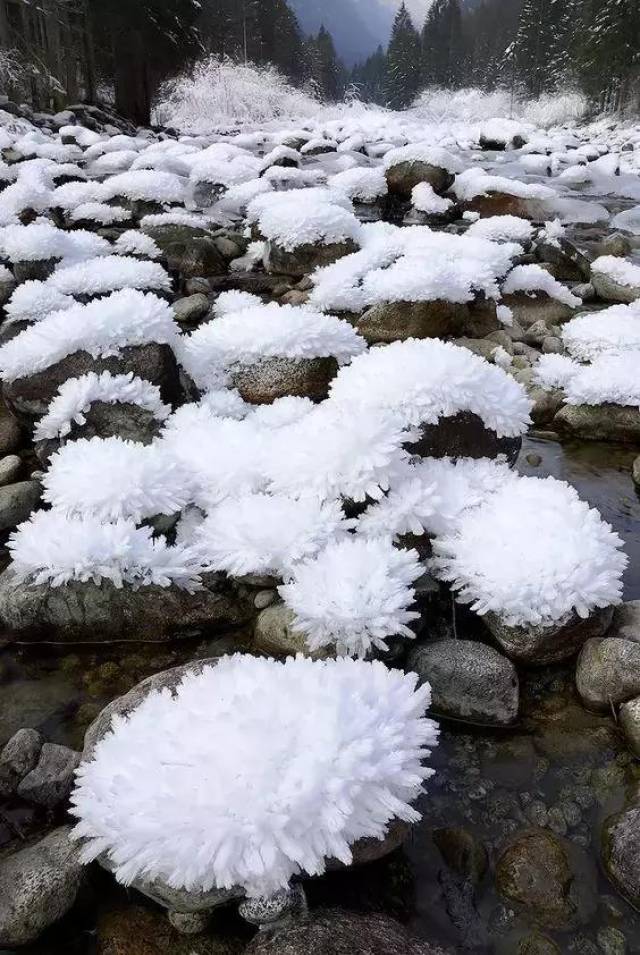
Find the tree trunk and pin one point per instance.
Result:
(132, 86)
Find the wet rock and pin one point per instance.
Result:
(85, 611)
(469, 681)
(30, 397)
(275, 635)
(10, 434)
(334, 932)
(535, 334)
(552, 345)
(18, 758)
(621, 852)
(463, 853)
(611, 941)
(304, 258)
(7, 288)
(37, 270)
(50, 781)
(501, 204)
(585, 291)
(536, 944)
(543, 875)
(635, 473)
(463, 436)
(571, 265)
(294, 297)
(17, 501)
(546, 404)
(9, 469)
(615, 244)
(195, 257)
(529, 309)
(600, 422)
(626, 621)
(540, 646)
(611, 291)
(134, 930)
(398, 321)
(191, 310)
(272, 378)
(38, 885)
(608, 672)
(404, 176)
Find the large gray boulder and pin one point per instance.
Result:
(265, 381)
(540, 646)
(469, 681)
(464, 435)
(621, 852)
(304, 258)
(610, 290)
(608, 672)
(605, 422)
(333, 932)
(17, 501)
(38, 885)
(77, 612)
(404, 176)
(528, 309)
(18, 757)
(49, 782)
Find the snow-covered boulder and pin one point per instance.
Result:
(616, 279)
(408, 166)
(491, 195)
(533, 295)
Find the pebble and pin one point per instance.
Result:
(9, 469)
(51, 779)
(18, 758)
(17, 501)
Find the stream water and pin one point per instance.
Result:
(561, 767)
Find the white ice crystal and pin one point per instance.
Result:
(425, 199)
(37, 242)
(502, 229)
(253, 771)
(620, 271)
(267, 534)
(76, 395)
(33, 300)
(476, 182)
(53, 548)
(291, 222)
(354, 595)
(533, 554)
(422, 153)
(421, 381)
(112, 478)
(148, 185)
(609, 379)
(532, 279)
(134, 242)
(362, 184)
(251, 335)
(101, 328)
(100, 213)
(109, 274)
(612, 331)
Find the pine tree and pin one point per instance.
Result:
(327, 73)
(533, 45)
(443, 45)
(369, 77)
(403, 75)
(610, 61)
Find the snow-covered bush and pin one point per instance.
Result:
(101, 328)
(421, 381)
(267, 534)
(249, 335)
(76, 395)
(302, 770)
(532, 554)
(54, 548)
(354, 595)
(218, 93)
(112, 478)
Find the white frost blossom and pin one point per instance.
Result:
(253, 771)
(354, 595)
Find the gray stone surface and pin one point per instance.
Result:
(608, 672)
(51, 779)
(530, 309)
(17, 501)
(398, 321)
(274, 378)
(404, 176)
(463, 436)
(469, 681)
(18, 757)
(38, 885)
(621, 852)
(192, 309)
(89, 612)
(305, 258)
(600, 422)
(9, 469)
(540, 646)
(611, 291)
(626, 621)
(105, 420)
(629, 718)
(333, 932)
(275, 635)
(10, 434)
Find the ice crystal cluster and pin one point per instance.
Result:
(278, 767)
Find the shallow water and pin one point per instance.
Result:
(561, 767)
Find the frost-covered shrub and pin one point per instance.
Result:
(609, 379)
(532, 279)
(412, 265)
(76, 395)
(302, 770)
(532, 554)
(292, 221)
(421, 381)
(54, 548)
(267, 534)
(247, 336)
(112, 478)
(101, 328)
(109, 274)
(354, 595)
(612, 331)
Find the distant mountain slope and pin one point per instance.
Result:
(357, 26)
